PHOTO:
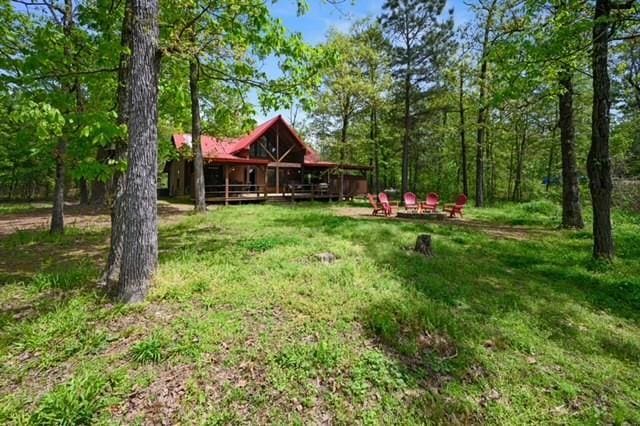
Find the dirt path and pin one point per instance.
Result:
(492, 229)
(79, 217)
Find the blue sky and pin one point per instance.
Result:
(321, 16)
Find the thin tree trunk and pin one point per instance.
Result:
(198, 162)
(84, 191)
(482, 111)
(490, 171)
(98, 187)
(98, 193)
(376, 149)
(57, 213)
(571, 208)
(12, 186)
(345, 127)
(463, 142)
(416, 160)
(550, 163)
(598, 161)
(406, 138)
(510, 180)
(480, 142)
(520, 150)
(552, 151)
(111, 276)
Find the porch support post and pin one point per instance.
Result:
(329, 189)
(341, 184)
(266, 181)
(226, 185)
(278, 157)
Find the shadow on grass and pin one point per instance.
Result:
(473, 282)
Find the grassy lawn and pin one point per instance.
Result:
(504, 325)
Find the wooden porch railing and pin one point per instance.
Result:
(311, 190)
(239, 192)
(235, 191)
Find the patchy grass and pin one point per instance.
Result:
(12, 208)
(244, 325)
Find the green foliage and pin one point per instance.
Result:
(73, 403)
(309, 356)
(150, 350)
(61, 83)
(375, 370)
(65, 280)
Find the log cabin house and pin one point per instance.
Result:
(270, 163)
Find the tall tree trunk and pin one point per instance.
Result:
(550, 163)
(57, 212)
(490, 171)
(481, 139)
(520, 151)
(598, 161)
(511, 155)
(140, 244)
(111, 276)
(463, 142)
(416, 166)
(376, 149)
(98, 187)
(98, 196)
(482, 111)
(406, 137)
(84, 191)
(552, 151)
(346, 106)
(198, 162)
(571, 208)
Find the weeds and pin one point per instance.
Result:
(150, 350)
(73, 403)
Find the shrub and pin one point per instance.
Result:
(544, 207)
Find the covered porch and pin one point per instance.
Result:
(259, 181)
(230, 183)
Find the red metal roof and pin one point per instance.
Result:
(225, 150)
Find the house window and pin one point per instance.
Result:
(257, 149)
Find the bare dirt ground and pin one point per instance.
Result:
(78, 217)
(492, 229)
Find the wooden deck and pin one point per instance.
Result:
(272, 198)
(257, 194)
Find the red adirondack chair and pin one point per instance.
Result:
(411, 202)
(384, 200)
(377, 207)
(431, 203)
(456, 208)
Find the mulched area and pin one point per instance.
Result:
(494, 230)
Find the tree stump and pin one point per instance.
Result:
(326, 258)
(423, 245)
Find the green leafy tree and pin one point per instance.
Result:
(420, 40)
